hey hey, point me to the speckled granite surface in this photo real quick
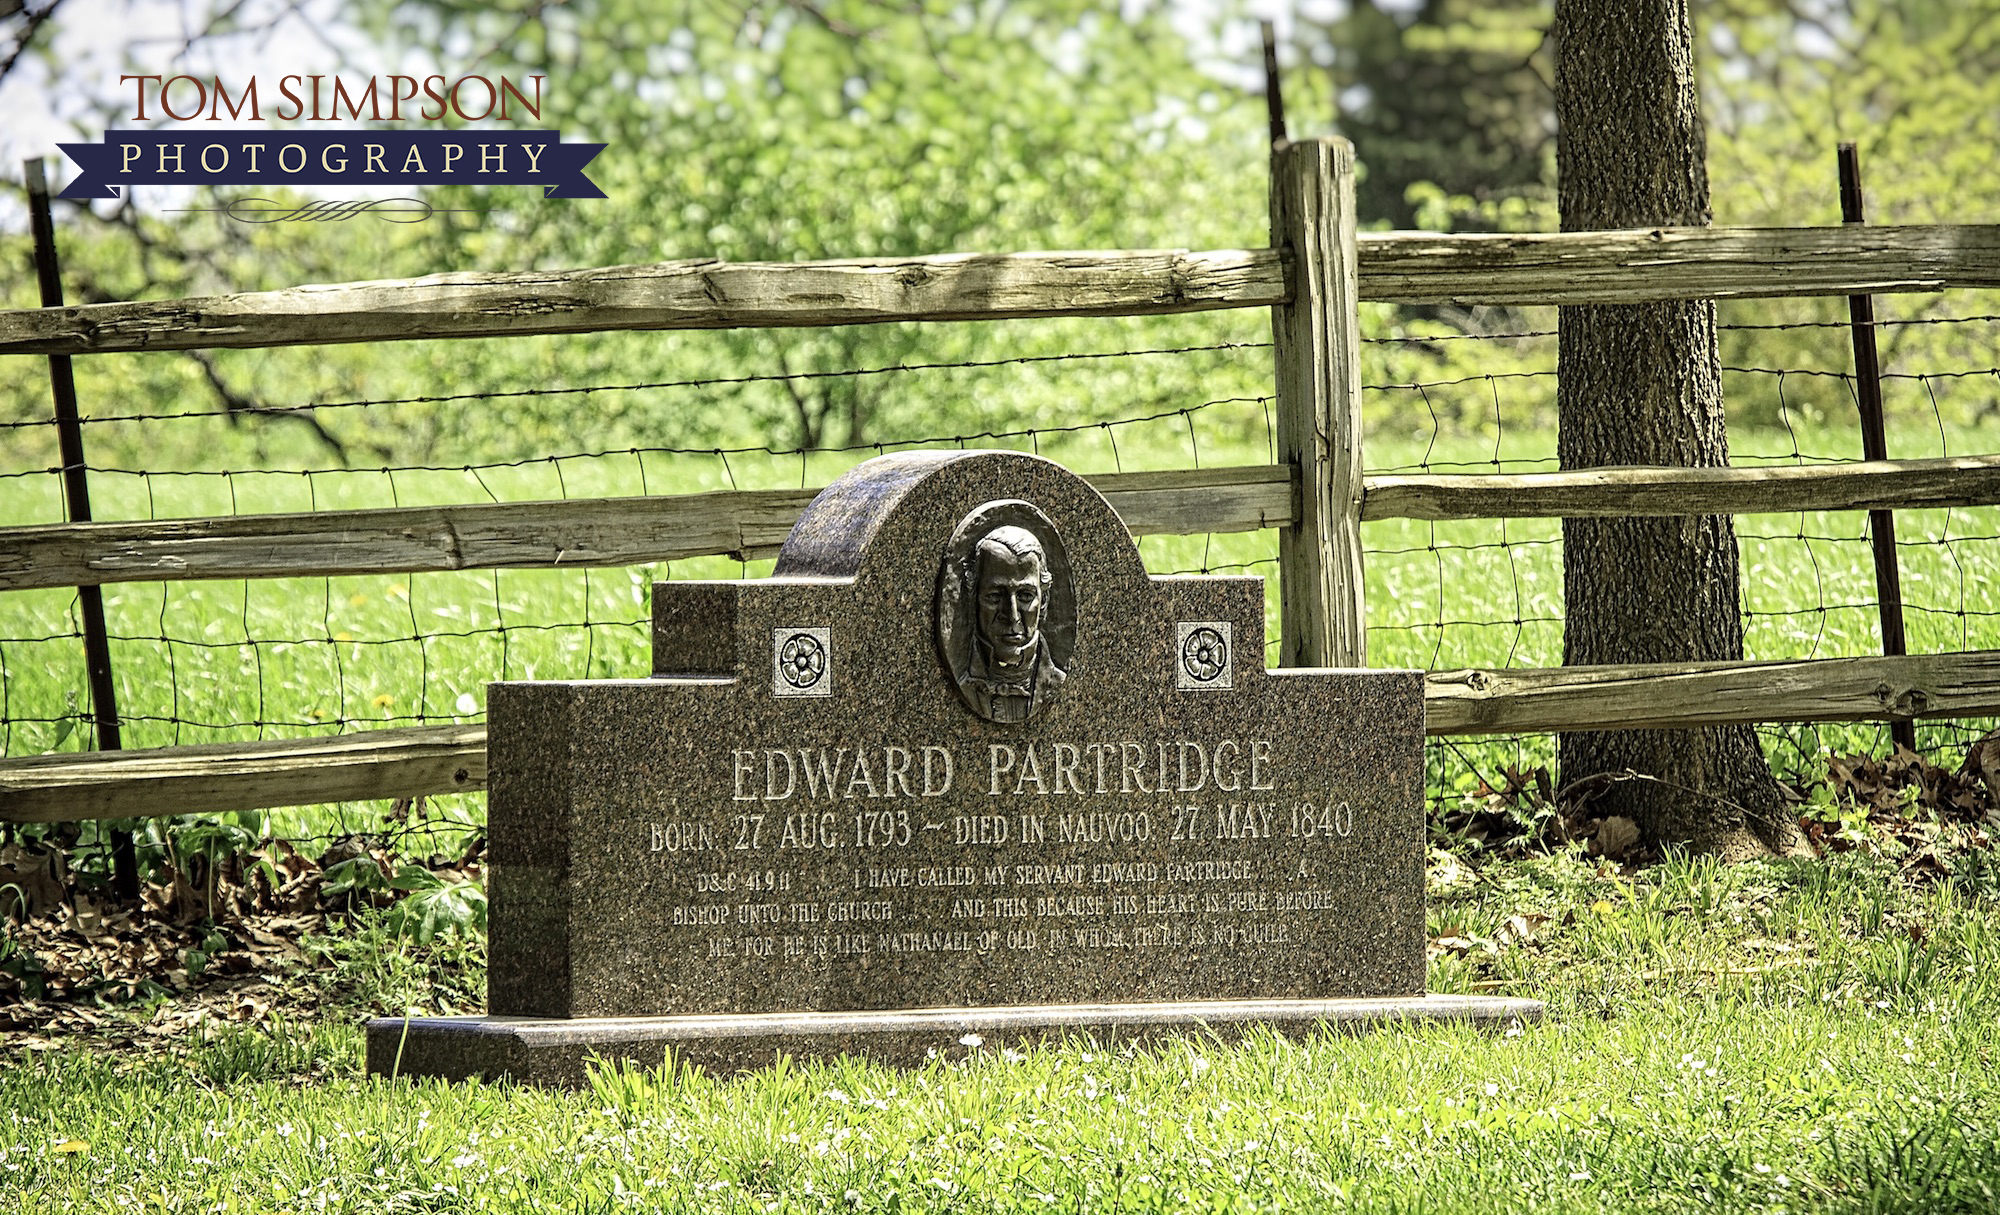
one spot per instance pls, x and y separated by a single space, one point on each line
860 786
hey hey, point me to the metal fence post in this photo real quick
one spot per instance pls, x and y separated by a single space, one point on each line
76 495
1318 345
1874 441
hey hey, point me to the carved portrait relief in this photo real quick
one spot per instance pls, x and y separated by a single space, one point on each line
1006 619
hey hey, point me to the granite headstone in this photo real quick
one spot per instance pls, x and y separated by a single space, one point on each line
959 771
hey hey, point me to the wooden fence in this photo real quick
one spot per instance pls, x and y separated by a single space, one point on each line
1315 495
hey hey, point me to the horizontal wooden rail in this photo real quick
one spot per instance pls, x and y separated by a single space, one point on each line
704 294
1395 267
1669 695
220 777
447 759
745 524
1611 492
752 524
1636 265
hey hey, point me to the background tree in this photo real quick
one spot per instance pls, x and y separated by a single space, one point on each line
1640 384
753 130
1449 108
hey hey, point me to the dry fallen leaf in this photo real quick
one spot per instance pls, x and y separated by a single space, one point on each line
1520 929
40 879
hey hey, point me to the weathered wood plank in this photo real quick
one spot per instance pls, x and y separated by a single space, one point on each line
1614 492
219 777
444 759
1670 695
521 535
704 294
1399 267
1188 502
1675 263
1317 350
752 524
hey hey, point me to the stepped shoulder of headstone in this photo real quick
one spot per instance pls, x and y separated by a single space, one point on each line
959 772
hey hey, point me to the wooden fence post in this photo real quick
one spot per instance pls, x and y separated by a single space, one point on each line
1318 347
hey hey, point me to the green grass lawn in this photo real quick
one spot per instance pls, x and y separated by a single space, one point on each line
1776 1036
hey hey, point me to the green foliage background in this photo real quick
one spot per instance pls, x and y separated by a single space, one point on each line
784 130
768 130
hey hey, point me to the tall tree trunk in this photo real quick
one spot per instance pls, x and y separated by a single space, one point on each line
1641 384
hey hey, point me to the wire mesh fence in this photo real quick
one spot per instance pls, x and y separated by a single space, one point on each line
208 661
1489 593
215 661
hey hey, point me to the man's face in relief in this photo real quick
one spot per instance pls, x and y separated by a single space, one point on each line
1010 602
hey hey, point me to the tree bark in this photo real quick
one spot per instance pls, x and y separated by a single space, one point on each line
1641 384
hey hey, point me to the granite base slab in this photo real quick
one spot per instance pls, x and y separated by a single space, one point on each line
556 1052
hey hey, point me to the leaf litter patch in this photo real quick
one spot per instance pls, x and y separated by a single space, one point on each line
1931 826
1926 817
257 936
236 932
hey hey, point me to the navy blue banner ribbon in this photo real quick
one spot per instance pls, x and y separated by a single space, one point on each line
332 158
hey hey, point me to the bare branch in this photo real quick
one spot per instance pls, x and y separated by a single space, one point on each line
236 405
31 24
808 433
832 24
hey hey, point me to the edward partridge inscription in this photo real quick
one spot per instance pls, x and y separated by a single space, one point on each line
960 765
1003 792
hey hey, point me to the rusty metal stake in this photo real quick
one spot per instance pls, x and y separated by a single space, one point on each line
76 494
1874 442
1274 97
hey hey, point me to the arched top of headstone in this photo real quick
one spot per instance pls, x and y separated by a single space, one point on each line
897 515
